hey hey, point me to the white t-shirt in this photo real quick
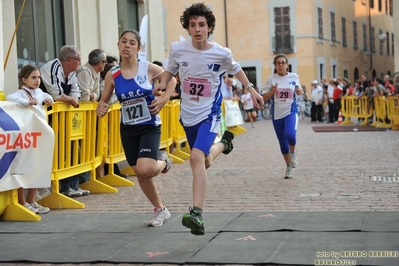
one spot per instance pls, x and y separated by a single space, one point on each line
284 100
201 74
246 100
23 96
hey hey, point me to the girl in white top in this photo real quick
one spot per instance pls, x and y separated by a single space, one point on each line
248 104
31 95
282 89
201 64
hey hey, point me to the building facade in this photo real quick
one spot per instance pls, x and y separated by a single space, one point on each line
328 38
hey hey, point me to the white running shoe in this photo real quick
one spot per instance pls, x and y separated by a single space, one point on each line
31 208
84 192
288 172
294 160
39 208
160 215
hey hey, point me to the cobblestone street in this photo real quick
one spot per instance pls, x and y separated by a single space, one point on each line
335 173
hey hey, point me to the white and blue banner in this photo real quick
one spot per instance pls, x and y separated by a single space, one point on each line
26 147
233 115
144 37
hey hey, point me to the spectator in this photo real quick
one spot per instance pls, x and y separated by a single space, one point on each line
316 97
331 108
347 88
326 103
30 94
229 90
58 78
88 76
389 87
112 60
337 94
248 105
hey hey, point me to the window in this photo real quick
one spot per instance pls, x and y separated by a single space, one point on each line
320 22
321 67
127 15
250 72
388 43
364 37
379 5
381 47
40 34
282 32
334 71
344 44
386 6
355 75
372 39
333 36
346 74
390 7
392 44
355 44
371 3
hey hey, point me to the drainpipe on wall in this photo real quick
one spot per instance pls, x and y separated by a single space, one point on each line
371 39
225 23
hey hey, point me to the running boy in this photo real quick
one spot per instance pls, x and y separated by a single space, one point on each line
201 64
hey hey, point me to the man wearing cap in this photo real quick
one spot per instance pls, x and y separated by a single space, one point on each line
316 98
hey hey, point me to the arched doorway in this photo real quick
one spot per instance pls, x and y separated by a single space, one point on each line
356 74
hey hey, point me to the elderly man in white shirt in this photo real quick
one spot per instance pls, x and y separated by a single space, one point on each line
316 98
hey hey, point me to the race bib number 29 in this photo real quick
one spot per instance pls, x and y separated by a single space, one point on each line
283 95
135 111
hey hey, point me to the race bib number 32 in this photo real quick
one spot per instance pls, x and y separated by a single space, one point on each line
197 87
135 111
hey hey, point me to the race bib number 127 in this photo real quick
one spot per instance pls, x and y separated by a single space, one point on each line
135 111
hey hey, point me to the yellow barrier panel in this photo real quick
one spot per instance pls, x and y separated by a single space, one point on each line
167 131
347 104
181 151
357 108
74 151
14 211
380 108
393 111
111 145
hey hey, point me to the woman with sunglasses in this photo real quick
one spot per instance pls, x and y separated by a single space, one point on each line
282 88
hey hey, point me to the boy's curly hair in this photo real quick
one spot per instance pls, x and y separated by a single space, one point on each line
198 10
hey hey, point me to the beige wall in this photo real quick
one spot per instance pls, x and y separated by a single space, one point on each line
8 26
250 28
91 24
248 32
396 30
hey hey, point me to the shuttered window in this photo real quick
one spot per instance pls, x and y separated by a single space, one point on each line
355 43
282 31
320 22
333 35
343 21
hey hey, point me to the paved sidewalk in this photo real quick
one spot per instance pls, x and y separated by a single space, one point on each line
334 173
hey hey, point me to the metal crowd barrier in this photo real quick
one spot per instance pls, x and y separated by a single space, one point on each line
83 141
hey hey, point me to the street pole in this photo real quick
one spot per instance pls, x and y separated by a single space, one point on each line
371 52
